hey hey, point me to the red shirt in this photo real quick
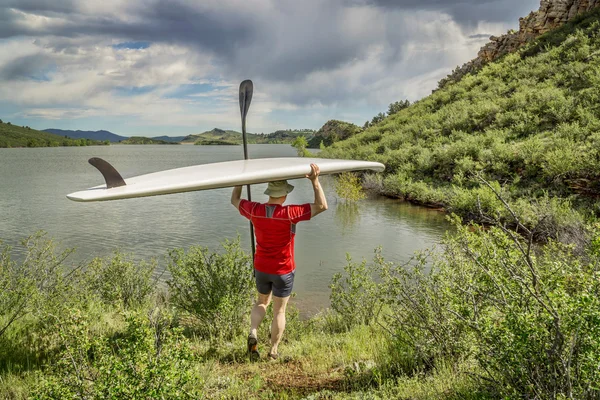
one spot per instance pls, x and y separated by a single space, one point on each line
274 228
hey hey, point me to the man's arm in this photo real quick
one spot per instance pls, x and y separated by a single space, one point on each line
236 196
320 203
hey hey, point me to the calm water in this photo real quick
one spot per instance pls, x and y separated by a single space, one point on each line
34 182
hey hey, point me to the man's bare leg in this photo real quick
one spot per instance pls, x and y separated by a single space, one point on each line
278 324
258 312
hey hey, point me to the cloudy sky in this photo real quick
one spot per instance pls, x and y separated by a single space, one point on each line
173 67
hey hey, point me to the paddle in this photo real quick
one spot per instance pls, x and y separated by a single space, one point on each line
246 89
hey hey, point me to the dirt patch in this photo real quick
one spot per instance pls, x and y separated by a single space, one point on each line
290 377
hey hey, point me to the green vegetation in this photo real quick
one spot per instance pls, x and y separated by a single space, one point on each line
214 289
23 136
300 144
285 136
333 131
490 315
348 187
529 123
144 140
222 137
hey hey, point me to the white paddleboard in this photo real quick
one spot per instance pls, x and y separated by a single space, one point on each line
217 175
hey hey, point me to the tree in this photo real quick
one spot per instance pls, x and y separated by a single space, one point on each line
378 118
397 106
300 144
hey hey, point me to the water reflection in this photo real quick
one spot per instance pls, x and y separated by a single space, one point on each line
347 215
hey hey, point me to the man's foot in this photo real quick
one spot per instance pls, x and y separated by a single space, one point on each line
253 348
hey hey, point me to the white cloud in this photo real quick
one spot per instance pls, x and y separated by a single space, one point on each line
314 58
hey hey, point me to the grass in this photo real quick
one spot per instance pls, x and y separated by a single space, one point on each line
314 364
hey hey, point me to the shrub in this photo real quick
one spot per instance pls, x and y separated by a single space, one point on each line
529 316
34 284
148 360
120 280
534 317
348 187
425 332
300 144
355 294
470 203
217 289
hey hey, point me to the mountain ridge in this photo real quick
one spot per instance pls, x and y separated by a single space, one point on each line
101 135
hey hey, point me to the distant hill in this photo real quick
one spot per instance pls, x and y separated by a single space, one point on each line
23 136
94 135
285 136
173 139
145 140
229 137
217 136
333 131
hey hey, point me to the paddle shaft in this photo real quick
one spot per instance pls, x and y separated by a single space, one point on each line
246 89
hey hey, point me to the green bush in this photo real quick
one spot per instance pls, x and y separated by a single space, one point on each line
216 289
348 187
120 280
149 360
355 296
425 333
534 317
528 315
33 285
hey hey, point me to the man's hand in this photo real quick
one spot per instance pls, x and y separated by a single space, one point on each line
314 172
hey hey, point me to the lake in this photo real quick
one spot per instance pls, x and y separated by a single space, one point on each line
34 183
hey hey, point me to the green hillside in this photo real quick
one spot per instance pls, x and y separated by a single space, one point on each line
144 140
227 137
286 136
333 131
23 136
529 124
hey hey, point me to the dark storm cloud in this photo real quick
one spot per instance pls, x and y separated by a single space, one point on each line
40 7
161 20
246 43
281 42
32 67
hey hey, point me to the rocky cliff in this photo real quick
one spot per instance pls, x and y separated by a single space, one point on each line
551 15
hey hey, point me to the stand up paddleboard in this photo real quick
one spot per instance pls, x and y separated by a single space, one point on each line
211 176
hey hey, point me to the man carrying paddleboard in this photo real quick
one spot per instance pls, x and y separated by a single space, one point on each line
274 266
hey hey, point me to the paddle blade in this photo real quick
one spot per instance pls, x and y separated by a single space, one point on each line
246 89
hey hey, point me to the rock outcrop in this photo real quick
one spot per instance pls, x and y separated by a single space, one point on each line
551 15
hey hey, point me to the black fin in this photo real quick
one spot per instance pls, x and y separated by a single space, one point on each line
111 176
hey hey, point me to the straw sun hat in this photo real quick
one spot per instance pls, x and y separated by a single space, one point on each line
278 189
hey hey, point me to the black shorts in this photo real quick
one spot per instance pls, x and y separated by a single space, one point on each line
281 285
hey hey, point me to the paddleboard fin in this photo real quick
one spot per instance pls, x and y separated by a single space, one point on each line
111 175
